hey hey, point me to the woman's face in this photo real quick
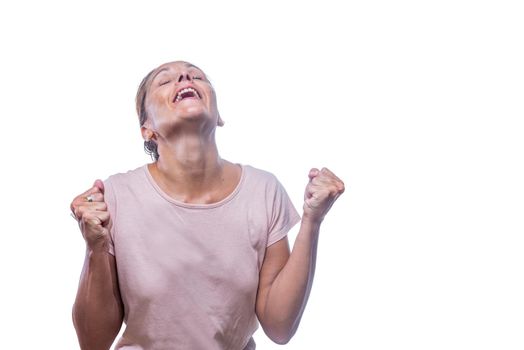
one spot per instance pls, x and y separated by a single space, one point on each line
180 97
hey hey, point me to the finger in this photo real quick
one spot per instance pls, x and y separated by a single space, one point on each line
325 172
328 177
309 190
93 189
331 187
104 216
97 206
95 218
90 221
100 185
318 197
333 175
317 191
84 197
322 180
313 173
94 197
93 206
81 210
73 216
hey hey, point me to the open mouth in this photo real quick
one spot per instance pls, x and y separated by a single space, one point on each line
187 92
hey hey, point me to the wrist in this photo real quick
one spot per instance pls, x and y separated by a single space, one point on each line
311 220
100 246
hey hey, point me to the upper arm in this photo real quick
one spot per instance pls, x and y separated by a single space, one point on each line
275 258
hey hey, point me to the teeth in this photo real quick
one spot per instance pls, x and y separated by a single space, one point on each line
183 91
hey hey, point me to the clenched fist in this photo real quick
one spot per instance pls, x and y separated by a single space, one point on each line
92 215
322 191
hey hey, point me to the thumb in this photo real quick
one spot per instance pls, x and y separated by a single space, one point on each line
313 173
99 184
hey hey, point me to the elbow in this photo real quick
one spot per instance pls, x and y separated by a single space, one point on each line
280 335
281 341
281 338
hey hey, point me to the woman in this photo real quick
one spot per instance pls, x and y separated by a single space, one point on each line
191 249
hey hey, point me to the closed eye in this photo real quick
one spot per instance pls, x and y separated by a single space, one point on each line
165 82
199 78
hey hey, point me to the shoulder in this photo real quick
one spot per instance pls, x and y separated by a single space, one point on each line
127 176
259 175
125 186
259 181
129 181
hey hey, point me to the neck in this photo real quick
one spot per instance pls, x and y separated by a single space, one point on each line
189 164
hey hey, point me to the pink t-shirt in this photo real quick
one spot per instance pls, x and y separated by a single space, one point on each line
188 273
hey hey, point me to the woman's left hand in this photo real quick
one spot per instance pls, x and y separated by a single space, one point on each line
322 191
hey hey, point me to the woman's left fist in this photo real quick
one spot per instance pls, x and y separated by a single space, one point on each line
322 191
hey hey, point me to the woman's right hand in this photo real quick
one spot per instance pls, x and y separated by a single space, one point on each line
92 215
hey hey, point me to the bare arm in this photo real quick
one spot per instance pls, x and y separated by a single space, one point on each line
98 310
285 279
285 283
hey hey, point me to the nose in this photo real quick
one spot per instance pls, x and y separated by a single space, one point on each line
183 76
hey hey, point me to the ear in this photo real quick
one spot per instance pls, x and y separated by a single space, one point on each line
147 134
220 122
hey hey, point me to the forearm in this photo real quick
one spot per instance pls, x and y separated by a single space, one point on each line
98 311
290 290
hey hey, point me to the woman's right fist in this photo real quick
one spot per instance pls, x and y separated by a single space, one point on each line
90 211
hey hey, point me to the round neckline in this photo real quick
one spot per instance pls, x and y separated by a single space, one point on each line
170 199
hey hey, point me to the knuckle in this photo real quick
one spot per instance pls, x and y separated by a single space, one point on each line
79 212
91 222
75 202
89 216
325 192
86 217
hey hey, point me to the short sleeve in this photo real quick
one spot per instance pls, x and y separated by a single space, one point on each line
283 214
110 200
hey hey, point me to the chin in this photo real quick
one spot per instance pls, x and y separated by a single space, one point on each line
193 116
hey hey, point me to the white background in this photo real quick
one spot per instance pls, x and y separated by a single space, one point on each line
416 105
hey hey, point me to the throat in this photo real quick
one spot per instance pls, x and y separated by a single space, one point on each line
199 188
